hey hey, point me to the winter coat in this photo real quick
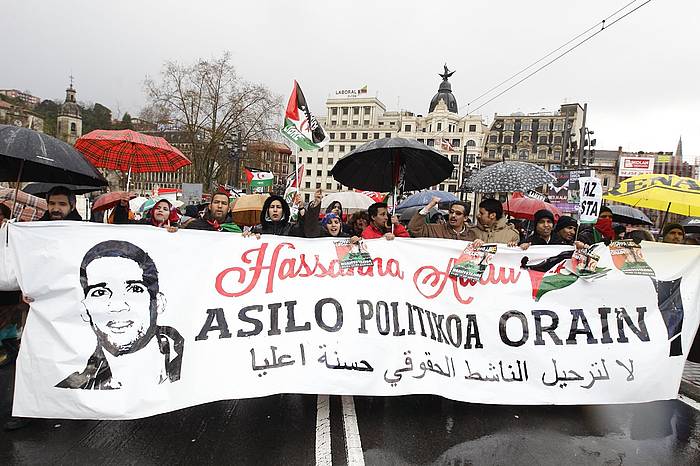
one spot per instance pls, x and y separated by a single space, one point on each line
421 229
312 227
500 232
372 232
536 240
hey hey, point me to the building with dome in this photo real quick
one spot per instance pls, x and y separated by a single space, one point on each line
69 122
353 118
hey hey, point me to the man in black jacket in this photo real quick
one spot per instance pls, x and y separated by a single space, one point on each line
215 215
61 205
544 226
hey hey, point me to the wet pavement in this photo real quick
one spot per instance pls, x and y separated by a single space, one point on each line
404 430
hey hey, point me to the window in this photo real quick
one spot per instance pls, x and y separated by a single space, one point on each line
308 172
542 154
319 160
557 139
352 147
525 139
307 185
407 128
542 140
442 187
509 126
507 139
334 111
319 172
367 110
331 148
430 142
525 126
366 122
557 155
558 126
356 110
454 158
455 143
342 135
345 110
387 135
318 185
320 149
353 135
454 174
73 128
492 153
422 141
342 148
330 161
355 122
376 135
381 123
506 153
524 154
472 128
307 195
328 186
364 135
493 138
544 125
308 159
337 186
452 188
332 135
471 143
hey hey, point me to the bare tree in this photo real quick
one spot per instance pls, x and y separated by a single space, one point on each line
215 108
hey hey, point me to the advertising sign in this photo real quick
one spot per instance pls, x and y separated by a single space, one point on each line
637 165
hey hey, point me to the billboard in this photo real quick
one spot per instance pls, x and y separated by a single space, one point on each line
564 192
635 165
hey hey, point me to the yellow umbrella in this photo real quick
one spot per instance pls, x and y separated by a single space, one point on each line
668 193
246 209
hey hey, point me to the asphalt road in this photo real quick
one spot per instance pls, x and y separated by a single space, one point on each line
305 429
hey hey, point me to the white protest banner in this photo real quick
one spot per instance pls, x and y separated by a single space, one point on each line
131 321
591 198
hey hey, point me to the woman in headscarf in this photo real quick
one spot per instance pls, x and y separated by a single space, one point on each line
161 215
274 219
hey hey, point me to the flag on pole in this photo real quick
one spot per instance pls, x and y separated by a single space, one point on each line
445 145
294 178
300 126
259 179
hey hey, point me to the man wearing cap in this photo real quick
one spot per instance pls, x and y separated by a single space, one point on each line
544 226
673 233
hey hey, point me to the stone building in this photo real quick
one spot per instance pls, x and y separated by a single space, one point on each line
69 122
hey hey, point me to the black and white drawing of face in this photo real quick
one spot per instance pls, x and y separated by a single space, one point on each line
120 307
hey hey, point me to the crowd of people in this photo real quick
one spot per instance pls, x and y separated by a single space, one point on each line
491 226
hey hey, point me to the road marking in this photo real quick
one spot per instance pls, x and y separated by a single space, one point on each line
323 431
353 445
689 401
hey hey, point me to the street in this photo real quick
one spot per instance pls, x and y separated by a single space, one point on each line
297 429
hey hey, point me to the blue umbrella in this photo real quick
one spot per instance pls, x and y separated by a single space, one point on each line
423 198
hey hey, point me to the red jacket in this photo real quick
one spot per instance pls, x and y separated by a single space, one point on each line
372 232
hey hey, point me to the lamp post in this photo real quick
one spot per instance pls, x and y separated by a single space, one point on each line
236 151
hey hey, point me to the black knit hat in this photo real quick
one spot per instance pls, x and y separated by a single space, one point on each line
672 226
543 213
565 221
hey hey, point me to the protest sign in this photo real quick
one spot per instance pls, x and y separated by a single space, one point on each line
123 327
591 199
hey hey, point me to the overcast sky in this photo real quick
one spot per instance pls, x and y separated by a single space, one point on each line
640 77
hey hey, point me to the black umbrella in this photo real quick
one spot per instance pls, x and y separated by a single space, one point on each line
40 189
629 215
27 155
376 166
691 224
509 177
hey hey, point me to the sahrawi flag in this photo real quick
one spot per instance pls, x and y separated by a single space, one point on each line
259 179
300 126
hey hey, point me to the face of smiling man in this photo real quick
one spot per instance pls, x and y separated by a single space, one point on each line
122 312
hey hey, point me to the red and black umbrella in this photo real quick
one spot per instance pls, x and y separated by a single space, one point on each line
129 151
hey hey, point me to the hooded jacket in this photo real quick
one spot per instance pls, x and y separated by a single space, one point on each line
500 232
280 228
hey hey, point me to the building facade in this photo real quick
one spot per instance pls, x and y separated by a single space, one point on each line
354 121
69 122
273 157
549 139
18 116
24 97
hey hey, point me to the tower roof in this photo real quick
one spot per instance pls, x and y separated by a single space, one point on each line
445 93
70 106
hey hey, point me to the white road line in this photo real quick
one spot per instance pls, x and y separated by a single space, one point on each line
323 431
689 401
353 446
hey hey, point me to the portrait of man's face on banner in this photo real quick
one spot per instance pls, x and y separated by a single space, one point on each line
122 301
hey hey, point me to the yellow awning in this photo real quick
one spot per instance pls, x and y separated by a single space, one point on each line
660 192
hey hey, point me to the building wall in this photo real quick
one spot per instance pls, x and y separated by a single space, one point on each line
352 122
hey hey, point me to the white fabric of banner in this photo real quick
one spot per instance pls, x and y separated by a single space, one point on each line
132 321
